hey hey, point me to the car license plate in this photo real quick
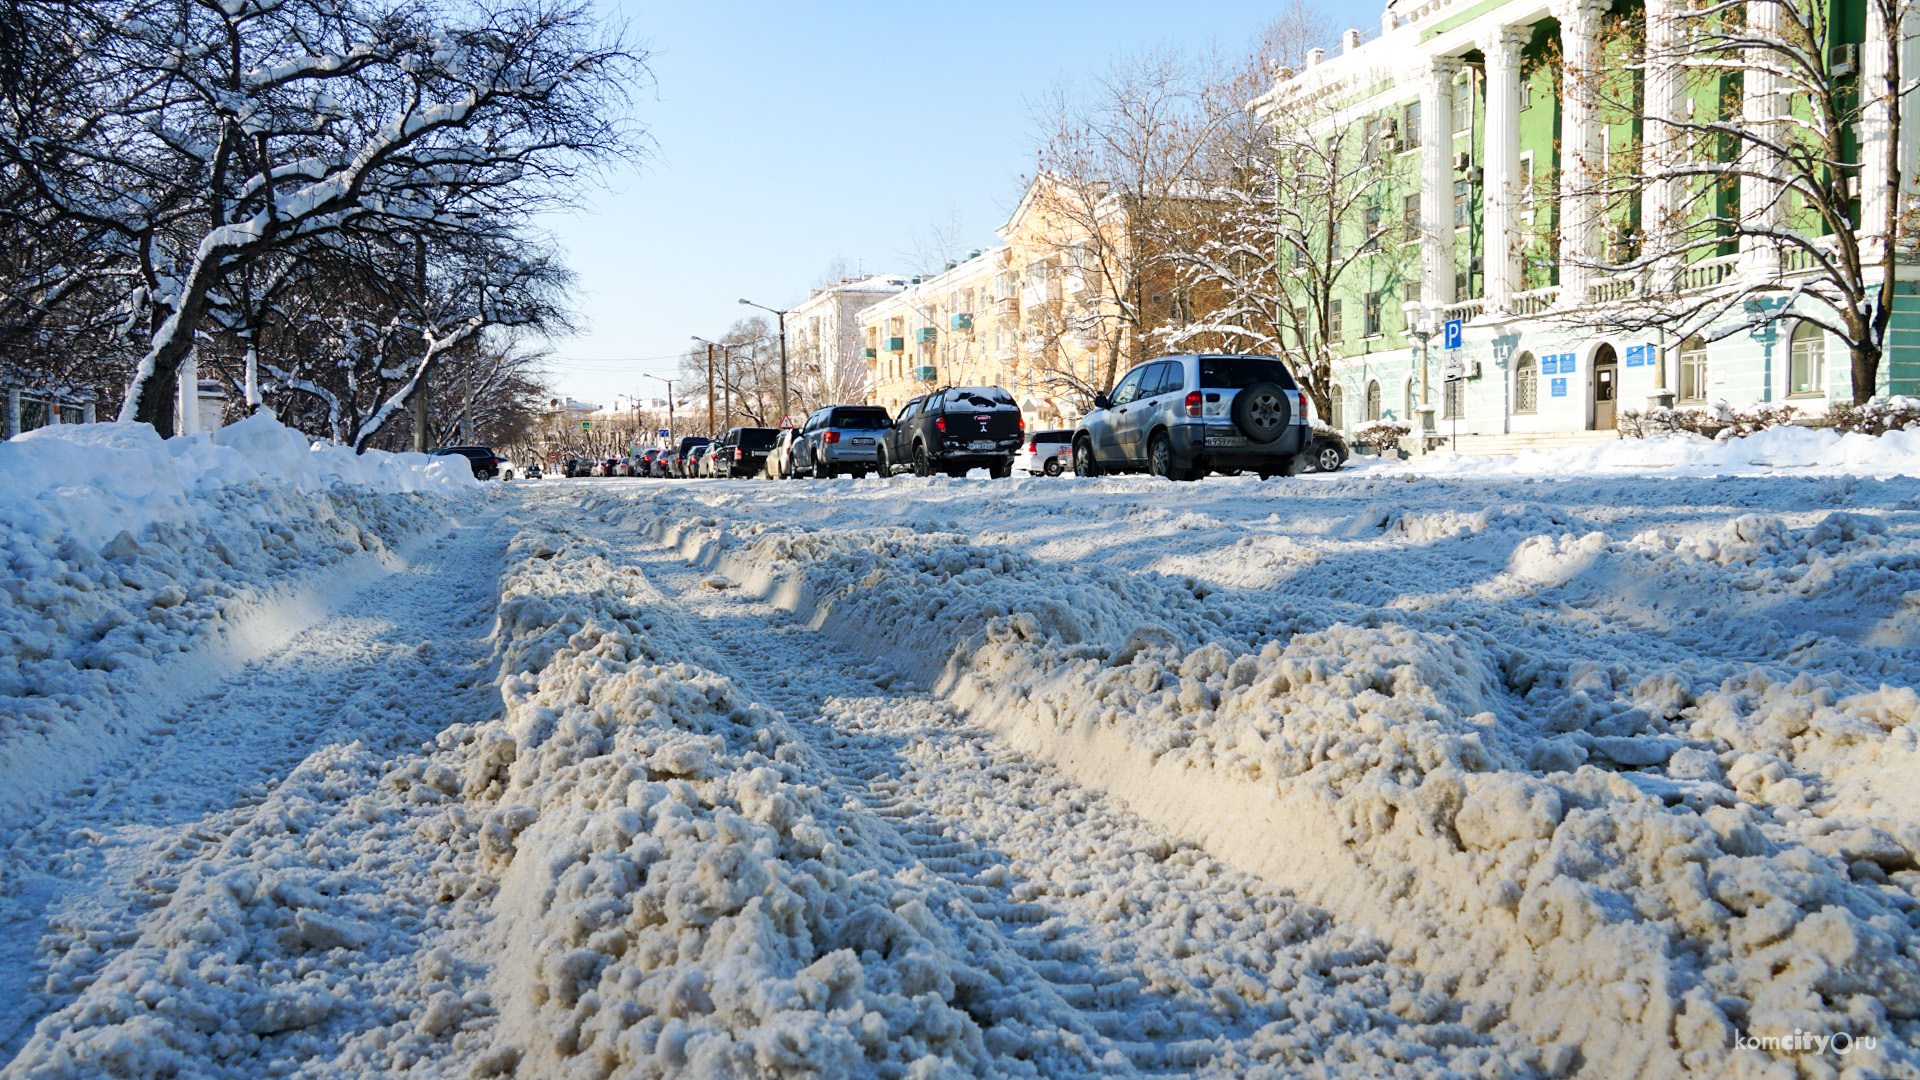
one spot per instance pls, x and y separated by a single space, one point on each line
982 444
1226 440
863 442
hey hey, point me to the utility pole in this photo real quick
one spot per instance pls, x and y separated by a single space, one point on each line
781 316
709 389
420 391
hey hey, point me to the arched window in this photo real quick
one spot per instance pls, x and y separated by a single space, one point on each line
1373 400
1407 415
1693 370
1526 384
1808 373
1337 420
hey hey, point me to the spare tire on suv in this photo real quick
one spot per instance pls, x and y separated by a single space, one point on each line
1262 412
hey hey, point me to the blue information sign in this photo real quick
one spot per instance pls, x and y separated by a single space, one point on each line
1557 388
1453 335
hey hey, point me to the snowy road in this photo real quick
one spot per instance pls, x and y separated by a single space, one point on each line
1357 776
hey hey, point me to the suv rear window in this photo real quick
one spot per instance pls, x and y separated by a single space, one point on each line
1240 372
863 419
1051 436
757 438
991 398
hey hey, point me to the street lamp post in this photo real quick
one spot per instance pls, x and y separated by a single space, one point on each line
781 317
726 375
1422 325
669 383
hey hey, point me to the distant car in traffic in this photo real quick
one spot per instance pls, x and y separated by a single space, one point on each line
780 457
485 464
686 460
1047 452
743 451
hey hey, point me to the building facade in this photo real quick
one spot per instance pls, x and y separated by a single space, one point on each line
824 339
1483 153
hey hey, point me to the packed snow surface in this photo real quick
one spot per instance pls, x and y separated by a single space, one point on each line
1567 767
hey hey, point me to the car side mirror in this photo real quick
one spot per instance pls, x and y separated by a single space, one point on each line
1102 401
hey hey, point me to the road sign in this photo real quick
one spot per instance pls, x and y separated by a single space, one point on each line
586 425
665 434
1454 369
1452 334
786 421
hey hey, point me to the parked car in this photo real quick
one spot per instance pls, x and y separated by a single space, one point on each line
1326 451
1046 452
485 465
685 460
742 451
780 457
535 472
578 467
953 430
644 461
1184 416
840 439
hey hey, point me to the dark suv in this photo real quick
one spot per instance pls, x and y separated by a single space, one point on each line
485 465
1184 416
683 458
953 430
743 451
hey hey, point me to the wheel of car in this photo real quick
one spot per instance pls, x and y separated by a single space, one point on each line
880 463
1262 412
921 466
1328 459
1000 470
1160 457
1084 463
823 470
1053 466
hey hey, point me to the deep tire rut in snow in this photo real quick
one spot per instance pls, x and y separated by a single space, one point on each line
383 673
1165 960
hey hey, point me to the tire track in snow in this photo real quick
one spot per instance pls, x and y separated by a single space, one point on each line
76 884
1175 963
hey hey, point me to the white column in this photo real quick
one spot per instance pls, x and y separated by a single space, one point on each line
186 409
1502 166
1876 129
1665 105
1761 201
1579 145
1436 196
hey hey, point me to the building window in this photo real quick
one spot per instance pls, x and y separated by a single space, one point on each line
1808 373
1373 400
1526 179
1410 125
1526 384
1693 370
1370 134
1463 104
1333 243
1372 315
1370 220
1338 419
1462 203
1526 92
1406 396
1334 330
1410 213
1456 399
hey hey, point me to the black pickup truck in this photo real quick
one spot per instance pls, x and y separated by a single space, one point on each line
953 430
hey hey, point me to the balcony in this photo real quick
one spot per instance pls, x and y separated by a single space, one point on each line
869 353
896 344
1707 273
960 321
1612 290
924 373
1534 301
924 336
1465 311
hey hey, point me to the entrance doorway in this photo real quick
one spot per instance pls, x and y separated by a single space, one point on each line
1606 370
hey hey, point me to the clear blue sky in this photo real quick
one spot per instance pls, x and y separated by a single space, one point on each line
788 133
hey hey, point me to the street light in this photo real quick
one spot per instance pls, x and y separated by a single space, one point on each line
669 383
782 317
726 373
1423 322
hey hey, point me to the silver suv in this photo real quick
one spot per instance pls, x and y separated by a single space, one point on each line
1182 417
840 439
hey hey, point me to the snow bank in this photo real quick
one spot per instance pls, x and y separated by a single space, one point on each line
1632 864
123 552
1808 451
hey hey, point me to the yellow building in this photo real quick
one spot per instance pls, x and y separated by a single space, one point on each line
951 329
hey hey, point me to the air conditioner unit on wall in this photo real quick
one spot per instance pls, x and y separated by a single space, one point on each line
1846 60
1462 161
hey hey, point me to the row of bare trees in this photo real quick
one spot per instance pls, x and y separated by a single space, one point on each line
333 197
1191 221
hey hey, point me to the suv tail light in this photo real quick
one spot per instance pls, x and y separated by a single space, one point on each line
1023 423
1033 448
736 453
1193 403
940 423
830 437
